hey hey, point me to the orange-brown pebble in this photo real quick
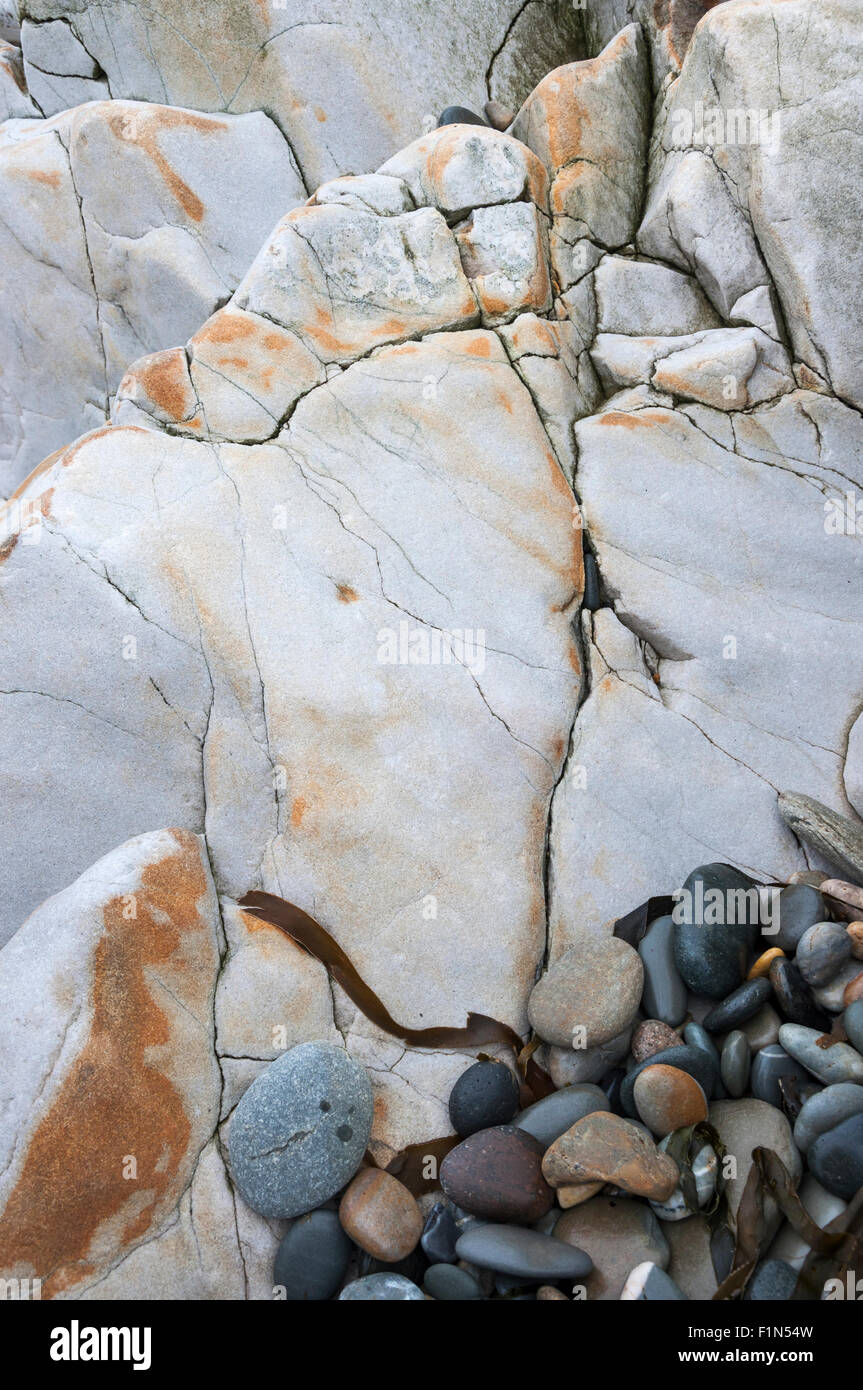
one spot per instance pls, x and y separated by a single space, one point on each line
761 969
853 990
667 1098
855 931
379 1213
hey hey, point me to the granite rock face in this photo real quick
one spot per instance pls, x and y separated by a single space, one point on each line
309 587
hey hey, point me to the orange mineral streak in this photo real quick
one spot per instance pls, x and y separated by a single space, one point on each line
114 1101
298 808
50 177
164 378
346 594
142 129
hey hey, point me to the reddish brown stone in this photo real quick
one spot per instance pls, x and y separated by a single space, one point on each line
379 1213
652 1036
497 1173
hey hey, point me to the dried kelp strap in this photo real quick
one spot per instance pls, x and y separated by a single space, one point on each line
303 929
418 1165
818 1267
684 1147
769 1176
633 926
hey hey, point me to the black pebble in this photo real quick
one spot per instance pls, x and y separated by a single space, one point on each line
794 998
742 1004
800 907
591 600
440 1234
312 1258
459 115
484 1096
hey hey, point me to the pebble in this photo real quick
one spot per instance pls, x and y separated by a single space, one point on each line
686 1058
380 1287
712 957
705 1167
312 1257
300 1131
825 1111
448 1283
746 1124
768 1066
459 115
617 1233
852 1021
800 907
761 969
794 998
773 1281
523 1254
594 987
840 1062
667 1099
855 931
763 1029
696 1035
547 1293
440 1234
850 895
484 1095
853 990
652 1036
821 952
500 117
743 1003
664 995
836 1158
649 1282
836 995
497 1174
550 1117
381 1215
734 1063
691 1265
605 1148
838 838
568 1067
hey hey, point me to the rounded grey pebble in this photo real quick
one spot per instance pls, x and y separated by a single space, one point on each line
773 1281
390 1287
523 1253
852 1021
836 1158
664 991
832 995
300 1131
821 952
312 1257
825 1111
768 1067
800 907
829 1064
449 1283
552 1116
734 1063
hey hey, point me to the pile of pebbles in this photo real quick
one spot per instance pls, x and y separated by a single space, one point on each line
753 1026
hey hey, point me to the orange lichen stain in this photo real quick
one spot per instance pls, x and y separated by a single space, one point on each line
142 130
241 363
113 1101
504 401
298 810
164 380
635 421
8 546
320 114
346 594
52 177
225 328
479 347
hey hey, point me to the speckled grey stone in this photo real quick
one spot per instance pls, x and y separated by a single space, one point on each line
734 1063
825 1111
382 1287
664 991
768 1066
300 1131
552 1116
829 1064
821 952
773 1281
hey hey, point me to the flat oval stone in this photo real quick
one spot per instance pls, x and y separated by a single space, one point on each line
689 1059
800 907
836 1158
312 1257
497 1174
483 1096
590 994
381 1215
522 1254
741 1004
300 1131
716 924
449 1283
773 1281
734 1063
550 1117
617 1233
794 999
667 1099
821 952
840 1062
664 996
768 1067
652 1036
605 1148
380 1288
459 115
825 1111
852 1022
